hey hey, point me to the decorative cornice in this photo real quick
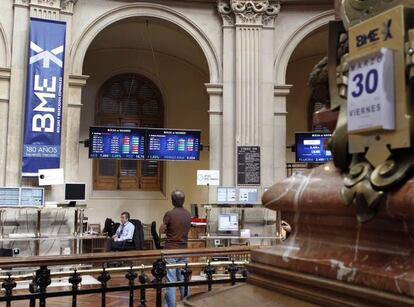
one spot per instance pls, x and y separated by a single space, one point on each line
78 80
21 3
248 12
5 73
46 3
214 88
49 9
215 112
281 90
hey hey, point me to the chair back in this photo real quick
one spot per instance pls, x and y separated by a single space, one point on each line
155 236
138 236
110 227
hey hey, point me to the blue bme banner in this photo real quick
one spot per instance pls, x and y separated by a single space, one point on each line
44 94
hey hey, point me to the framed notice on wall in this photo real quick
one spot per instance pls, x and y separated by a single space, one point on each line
248 165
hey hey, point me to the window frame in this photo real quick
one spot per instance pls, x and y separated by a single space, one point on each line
117 182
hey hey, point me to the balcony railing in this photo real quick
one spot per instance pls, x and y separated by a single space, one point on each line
40 273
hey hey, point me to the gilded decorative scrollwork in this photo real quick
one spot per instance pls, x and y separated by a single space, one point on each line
378 167
359 191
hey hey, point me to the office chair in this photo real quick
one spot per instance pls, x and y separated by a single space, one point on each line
155 236
137 242
110 227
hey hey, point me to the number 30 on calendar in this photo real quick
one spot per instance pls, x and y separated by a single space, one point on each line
371 97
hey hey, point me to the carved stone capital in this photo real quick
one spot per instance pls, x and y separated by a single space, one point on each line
224 8
67 5
251 12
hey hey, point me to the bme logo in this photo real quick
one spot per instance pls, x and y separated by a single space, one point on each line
46 56
373 35
45 89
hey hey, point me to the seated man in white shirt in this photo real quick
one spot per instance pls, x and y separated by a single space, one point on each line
124 233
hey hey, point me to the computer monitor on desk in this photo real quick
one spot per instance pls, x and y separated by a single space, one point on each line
74 192
32 197
228 222
226 195
248 195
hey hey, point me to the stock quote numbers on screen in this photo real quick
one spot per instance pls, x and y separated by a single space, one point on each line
312 147
143 143
173 144
116 143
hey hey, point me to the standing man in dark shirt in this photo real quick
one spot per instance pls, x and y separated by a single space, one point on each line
176 225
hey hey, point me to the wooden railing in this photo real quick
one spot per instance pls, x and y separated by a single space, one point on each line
40 274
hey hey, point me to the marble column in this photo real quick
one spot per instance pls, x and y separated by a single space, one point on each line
4 111
247 44
71 104
17 93
228 166
270 138
72 126
215 111
279 128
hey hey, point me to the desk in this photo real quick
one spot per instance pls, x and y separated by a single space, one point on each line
94 243
76 246
77 226
241 208
78 217
228 239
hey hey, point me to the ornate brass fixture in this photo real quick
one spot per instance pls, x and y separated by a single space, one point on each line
374 158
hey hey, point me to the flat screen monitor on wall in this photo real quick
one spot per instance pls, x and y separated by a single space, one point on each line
116 143
228 222
311 147
171 144
75 192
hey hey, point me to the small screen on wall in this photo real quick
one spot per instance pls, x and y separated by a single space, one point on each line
116 143
169 144
311 147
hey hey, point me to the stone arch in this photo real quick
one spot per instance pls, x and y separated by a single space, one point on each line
282 61
5 55
81 45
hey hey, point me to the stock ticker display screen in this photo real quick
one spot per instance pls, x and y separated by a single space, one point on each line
312 147
116 143
169 144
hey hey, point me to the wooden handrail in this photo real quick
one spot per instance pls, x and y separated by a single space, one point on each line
124 269
9 262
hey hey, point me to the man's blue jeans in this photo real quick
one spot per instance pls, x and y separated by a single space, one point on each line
173 275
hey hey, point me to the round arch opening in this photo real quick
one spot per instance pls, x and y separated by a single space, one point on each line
300 107
175 63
